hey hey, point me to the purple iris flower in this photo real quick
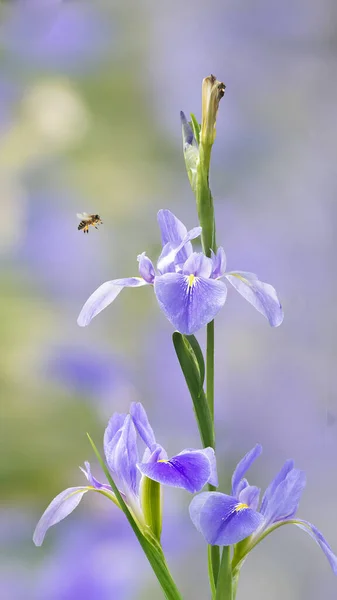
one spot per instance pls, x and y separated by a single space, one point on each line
190 469
188 284
224 520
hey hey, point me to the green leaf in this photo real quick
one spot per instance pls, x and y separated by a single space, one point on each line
196 127
198 355
152 549
194 372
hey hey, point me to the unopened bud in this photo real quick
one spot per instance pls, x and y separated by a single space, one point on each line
212 92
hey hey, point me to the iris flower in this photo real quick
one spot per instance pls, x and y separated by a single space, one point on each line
190 470
224 520
187 284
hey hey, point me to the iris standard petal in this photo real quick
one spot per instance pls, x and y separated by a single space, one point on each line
218 263
188 303
243 466
173 255
103 296
320 540
173 231
189 470
283 504
282 474
146 268
198 264
142 424
223 520
122 456
116 422
58 509
261 295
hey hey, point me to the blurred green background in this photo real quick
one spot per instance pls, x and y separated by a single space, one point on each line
90 94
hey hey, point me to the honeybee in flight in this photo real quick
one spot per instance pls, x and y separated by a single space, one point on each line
87 220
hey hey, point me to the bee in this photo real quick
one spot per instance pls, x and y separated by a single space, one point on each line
87 220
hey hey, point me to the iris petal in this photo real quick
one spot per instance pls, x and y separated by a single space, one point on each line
122 456
103 296
189 307
142 424
172 254
283 504
221 520
146 268
268 495
261 295
198 264
250 495
321 541
58 509
218 262
243 466
173 231
189 470
116 422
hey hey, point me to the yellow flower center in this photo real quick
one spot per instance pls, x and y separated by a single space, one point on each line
190 280
241 506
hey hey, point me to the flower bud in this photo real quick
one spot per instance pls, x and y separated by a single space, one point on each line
212 92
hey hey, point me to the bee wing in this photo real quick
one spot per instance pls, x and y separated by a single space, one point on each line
82 216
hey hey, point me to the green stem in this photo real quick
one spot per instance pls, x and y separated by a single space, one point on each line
224 590
210 368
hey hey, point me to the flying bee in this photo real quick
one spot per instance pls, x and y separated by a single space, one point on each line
87 220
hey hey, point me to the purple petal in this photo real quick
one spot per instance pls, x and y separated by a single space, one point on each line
103 296
189 470
243 466
188 136
115 424
198 264
219 263
142 424
173 255
173 231
261 295
189 305
92 480
58 509
321 541
222 520
250 495
146 268
213 478
267 496
122 456
283 504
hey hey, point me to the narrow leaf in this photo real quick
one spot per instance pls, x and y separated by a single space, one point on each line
190 367
196 127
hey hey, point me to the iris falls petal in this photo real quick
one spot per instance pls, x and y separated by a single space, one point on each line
261 295
189 470
103 296
320 540
222 519
58 509
189 302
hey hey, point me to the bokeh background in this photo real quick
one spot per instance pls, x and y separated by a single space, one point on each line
90 94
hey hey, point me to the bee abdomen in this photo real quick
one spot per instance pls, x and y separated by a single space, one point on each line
82 225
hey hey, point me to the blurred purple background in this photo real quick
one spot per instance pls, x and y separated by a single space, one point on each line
90 94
